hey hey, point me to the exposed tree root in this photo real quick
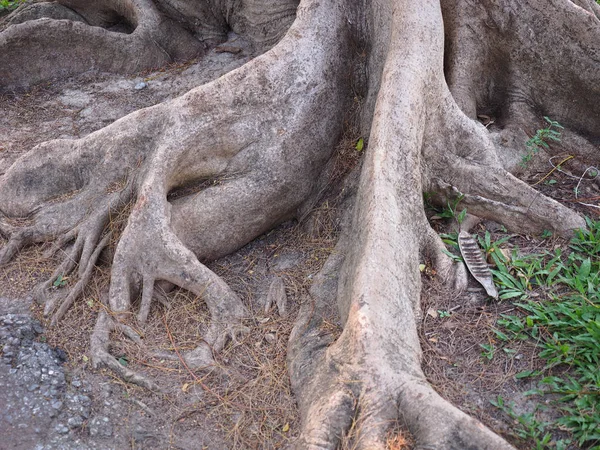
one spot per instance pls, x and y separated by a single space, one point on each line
100 341
267 173
265 131
146 40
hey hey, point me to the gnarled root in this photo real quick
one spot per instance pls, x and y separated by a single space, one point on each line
99 349
465 164
373 378
145 40
268 161
150 251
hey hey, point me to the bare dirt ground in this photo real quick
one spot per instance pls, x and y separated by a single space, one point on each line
245 402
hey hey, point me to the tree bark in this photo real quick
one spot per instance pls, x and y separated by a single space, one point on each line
426 69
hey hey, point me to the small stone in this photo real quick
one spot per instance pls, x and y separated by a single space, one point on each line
141 85
61 428
76 383
277 296
99 426
57 404
270 338
75 422
33 387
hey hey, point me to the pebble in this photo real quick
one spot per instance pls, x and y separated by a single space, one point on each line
141 85
60 428
75 422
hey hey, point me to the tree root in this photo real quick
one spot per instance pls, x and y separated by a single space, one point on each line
77 47
265 131
76 290
99 343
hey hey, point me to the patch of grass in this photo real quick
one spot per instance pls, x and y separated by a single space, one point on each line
541 139
9 5
450 211
558 295
529 428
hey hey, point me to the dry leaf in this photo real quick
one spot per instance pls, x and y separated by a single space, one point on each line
432 313
476 263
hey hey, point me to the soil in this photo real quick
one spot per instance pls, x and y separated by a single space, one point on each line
245 402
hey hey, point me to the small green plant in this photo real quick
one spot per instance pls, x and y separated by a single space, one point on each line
451 210
528 427
9 5
360 144
60 282
587 242
541 139
451 240
490 248
443 314
488 351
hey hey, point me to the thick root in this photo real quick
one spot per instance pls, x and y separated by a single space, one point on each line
99 344
150 251
466 165
150 41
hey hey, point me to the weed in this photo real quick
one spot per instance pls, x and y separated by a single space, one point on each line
564 323
60 281
451 210
541 139
443 314
488 351
490 247
528 427
9 5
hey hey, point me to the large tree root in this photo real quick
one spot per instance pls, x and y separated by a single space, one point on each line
373 369
37 50
516 88
47 40
213 131
265 131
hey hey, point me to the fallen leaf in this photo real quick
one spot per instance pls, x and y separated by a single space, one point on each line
360 144
286 428
432 313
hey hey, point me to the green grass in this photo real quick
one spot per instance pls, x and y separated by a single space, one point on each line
541 139
564 322
9 5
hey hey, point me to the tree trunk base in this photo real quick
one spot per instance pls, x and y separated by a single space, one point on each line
255 143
